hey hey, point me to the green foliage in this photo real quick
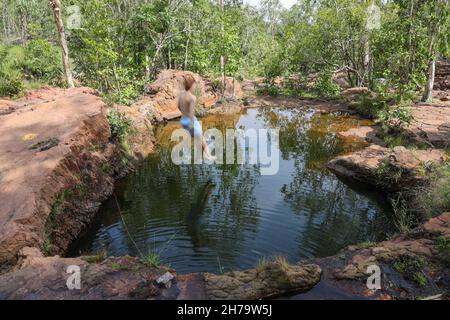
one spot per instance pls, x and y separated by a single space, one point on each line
272 91
58 204
391 111
326 87
122 44
116 265
106 168
151 259
370 106
98 257
262 264
11 59
434 198
388 174
120 125
42 61
395 118
127 94
282 262
367 244
38 61
11 83
443 245
412 268
404 218
46 247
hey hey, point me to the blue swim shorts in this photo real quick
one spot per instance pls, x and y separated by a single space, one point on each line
195 129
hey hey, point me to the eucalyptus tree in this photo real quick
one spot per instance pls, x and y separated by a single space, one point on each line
56 8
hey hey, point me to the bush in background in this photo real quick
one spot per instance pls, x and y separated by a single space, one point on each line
39 61
326 87
42 62
11 75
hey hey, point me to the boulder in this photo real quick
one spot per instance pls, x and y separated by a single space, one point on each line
374 164
270 280
431 124
164 92
232 87
352 94
141 139
46 278
340 78
38 277
50 143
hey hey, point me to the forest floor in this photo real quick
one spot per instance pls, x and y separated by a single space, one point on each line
59 161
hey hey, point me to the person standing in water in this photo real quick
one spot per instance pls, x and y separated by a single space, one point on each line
186 103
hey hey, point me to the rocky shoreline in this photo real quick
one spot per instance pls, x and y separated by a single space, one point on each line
55 174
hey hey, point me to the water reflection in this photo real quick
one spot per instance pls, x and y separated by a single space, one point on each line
206 218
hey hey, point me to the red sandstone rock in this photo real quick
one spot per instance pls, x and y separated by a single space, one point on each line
431 123
363 165
165 90
439 226
66 122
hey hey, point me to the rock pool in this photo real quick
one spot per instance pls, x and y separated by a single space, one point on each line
218 218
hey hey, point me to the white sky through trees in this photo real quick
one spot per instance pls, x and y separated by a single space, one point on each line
286 3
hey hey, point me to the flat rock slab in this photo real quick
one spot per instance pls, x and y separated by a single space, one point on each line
38 277
323 106
344 275
368 133
432 123
40 142
363 166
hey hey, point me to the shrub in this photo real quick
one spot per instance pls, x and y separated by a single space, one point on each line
395 118
403 218
11 83
11 58
326 87
42 61
412 268
369 106
151 259
272 91
293 87
126 96
217 85
120 128
434 198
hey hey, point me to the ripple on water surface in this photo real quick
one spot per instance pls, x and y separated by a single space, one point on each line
223 217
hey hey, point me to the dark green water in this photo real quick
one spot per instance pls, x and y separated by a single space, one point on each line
223 217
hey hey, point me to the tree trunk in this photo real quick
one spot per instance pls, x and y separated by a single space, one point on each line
366 62
428 93
23 28
155 57
147 67
186 53
56 8
434 33
222 58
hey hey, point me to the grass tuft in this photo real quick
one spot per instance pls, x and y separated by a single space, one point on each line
151 259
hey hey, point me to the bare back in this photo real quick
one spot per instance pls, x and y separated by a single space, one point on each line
186 104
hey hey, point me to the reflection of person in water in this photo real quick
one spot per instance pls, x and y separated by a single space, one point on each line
193 217
186 104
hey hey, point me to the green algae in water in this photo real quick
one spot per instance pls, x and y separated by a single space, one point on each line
193 216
